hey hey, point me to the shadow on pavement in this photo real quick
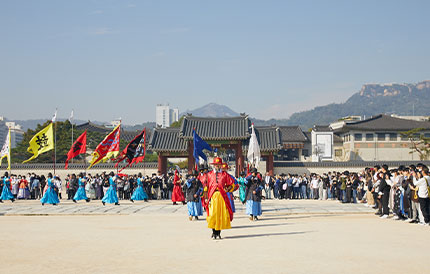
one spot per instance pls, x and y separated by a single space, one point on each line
265 235
257 225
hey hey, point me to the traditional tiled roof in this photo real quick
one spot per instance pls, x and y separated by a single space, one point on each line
125 135
231 128
292 134
167 140
269 139
384 122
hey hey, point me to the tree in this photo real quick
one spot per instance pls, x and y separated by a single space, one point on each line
419 143
64 142
178 123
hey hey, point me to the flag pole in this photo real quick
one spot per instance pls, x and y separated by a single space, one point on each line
72 135
55 144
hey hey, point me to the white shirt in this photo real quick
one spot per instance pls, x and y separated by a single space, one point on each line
422 186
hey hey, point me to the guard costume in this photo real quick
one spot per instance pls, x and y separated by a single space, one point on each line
81 193
220 212
111 195
6 194
193 190
253 195
139 193
50 196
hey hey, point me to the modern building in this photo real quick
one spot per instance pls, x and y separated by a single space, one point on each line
16 132
380 138
165 116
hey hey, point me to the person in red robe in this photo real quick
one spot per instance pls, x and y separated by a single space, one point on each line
220 213
177 194
203 178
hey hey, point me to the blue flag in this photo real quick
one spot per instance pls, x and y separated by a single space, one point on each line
199 145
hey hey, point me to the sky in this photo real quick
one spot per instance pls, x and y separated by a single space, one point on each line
118 59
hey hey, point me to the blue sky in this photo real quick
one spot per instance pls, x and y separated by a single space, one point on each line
111 59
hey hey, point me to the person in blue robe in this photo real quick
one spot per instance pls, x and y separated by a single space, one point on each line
253 195
6 194
111 196
50 196
193 190
139 193
81 194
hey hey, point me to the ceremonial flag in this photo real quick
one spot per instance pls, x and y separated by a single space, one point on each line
54 118
5 151
78 147
42 142
71 117
199 145
254 149
108 148
129 151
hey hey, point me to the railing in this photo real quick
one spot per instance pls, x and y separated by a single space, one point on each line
391 164
79 166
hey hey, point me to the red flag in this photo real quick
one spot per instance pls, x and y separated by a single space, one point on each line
78 147
131 150
108 148
140 151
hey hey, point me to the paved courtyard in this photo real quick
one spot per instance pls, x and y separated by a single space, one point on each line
157 237
67 207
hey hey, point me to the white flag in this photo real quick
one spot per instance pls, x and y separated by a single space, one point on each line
54 118
71 116
254 149
5 151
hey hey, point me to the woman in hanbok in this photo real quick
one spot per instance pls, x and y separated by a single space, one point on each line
6 194
90 188
15 185
81 194
111 195
242 187
139 193
50 196
23 192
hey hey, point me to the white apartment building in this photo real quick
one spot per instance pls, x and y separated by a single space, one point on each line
165 116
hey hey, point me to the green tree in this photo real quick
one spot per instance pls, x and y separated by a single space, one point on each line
178 123
63 144
419 143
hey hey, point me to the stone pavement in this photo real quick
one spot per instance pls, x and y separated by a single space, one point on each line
95 207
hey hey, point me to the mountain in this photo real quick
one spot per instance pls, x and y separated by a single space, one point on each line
372 99
212 110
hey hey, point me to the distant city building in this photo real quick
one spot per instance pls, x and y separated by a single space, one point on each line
16 132
165 116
